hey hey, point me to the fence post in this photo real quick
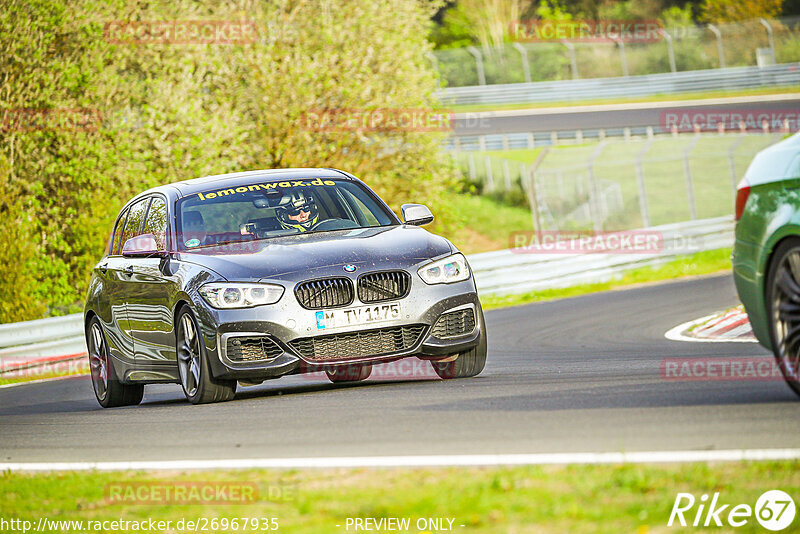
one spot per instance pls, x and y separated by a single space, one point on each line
472 174
593 208
688 173
432 57
573 59
478 64
732 162
622 57
670 50
720 49
533 199
526 68
770 36
640 179
489 175
507 175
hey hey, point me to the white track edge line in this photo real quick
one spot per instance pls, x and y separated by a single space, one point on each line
465 460
675 334
593 108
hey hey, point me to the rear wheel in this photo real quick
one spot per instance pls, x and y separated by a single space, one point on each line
783 310
110 392
349 373
198 384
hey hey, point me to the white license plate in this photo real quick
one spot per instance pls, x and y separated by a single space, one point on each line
327 319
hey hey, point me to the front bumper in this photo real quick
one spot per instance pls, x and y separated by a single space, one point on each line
287 322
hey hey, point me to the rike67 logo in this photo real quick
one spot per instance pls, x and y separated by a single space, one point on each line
774 510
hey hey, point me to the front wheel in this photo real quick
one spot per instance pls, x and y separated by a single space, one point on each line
198 384
110 392
783 310
466 364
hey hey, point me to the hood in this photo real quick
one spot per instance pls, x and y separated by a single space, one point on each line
303 256
775 163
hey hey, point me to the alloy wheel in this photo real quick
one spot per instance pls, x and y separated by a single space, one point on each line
189 355
98 361
786 314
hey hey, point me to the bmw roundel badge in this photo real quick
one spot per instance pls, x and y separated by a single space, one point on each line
349 268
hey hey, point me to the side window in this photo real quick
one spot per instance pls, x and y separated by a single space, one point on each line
133 226
156 222
116 247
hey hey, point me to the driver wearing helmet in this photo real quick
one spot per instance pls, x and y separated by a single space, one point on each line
297 211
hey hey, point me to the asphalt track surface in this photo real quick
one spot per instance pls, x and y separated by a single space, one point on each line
576 375
570 119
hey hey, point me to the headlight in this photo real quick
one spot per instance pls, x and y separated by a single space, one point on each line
445 271
241 295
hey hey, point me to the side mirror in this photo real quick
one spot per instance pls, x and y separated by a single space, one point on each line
142 246
416 214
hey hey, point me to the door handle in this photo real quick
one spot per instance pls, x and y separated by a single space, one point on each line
103 268
128 270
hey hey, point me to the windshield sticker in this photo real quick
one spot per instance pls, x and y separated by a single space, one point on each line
193 243
263 187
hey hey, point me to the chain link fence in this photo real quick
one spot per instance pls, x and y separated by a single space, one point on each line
758 42
622 183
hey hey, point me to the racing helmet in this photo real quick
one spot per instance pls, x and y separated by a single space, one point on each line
293 204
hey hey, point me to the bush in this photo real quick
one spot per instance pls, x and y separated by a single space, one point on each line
174 112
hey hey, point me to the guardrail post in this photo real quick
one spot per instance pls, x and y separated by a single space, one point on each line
767 25
732 161
505 142
531 141
720 48
640 179
554 138
478 64
482 143
670 50
526 68
573 59
489 175
688 173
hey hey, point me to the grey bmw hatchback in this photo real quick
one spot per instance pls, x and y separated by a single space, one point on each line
239 278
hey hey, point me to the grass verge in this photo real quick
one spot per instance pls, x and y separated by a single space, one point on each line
74 367
655 98
708 262
571 498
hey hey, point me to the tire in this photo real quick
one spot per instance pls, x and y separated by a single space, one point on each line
349 373
109 391
469 363
198 384
783 310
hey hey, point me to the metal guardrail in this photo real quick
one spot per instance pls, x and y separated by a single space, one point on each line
508 271
496 273
738 78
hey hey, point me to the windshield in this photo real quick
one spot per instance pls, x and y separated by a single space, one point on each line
262 210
